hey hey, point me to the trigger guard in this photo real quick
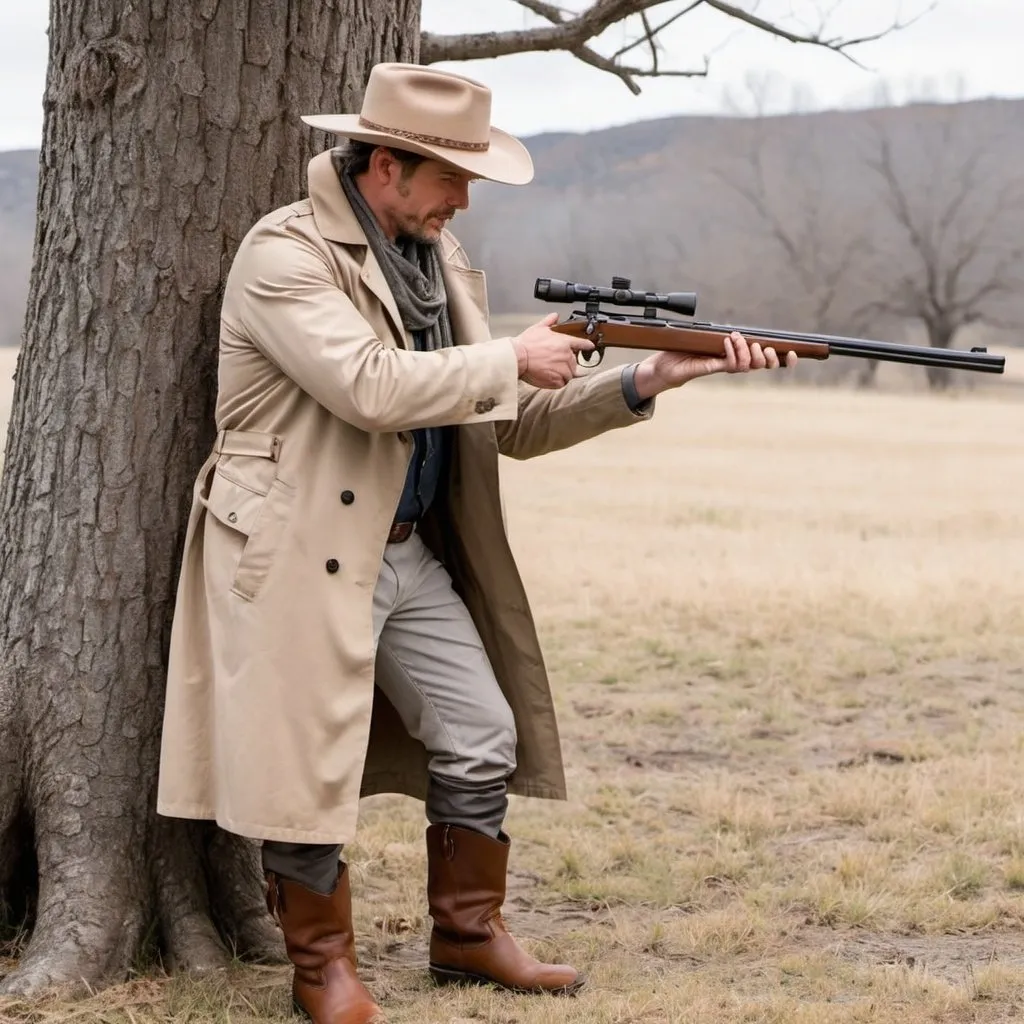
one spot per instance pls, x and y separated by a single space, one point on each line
590 359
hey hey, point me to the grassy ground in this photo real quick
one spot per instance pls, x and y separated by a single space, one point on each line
785 630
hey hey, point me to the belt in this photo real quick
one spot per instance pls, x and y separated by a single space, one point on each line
400 532
248 442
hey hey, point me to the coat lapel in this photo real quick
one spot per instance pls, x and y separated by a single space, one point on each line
373 277
474 479
337 223
467 303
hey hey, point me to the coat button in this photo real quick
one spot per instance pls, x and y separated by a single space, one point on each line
332 565
232 517
485 406
347 497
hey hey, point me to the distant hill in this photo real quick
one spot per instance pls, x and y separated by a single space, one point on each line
711 204
662 202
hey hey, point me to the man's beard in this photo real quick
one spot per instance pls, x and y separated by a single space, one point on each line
418 231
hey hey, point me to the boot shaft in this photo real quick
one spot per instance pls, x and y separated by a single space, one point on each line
466 873
317 927
318 936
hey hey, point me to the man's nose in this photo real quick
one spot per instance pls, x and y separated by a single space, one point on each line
459 197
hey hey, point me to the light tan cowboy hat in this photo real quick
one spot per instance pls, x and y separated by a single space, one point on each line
436 113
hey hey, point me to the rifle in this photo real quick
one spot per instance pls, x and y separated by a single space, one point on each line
695 337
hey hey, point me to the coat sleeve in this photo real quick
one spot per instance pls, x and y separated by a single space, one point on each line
550 420
287 302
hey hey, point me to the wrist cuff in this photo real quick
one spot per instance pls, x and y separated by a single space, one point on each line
629 392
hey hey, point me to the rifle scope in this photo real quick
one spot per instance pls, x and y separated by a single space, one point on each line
550 289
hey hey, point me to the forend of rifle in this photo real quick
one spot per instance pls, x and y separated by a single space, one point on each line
550 289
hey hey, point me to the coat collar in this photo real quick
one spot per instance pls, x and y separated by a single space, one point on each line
334 217
337 222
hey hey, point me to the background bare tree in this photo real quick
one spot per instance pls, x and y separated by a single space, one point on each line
806 229
953 252
169 129
791 202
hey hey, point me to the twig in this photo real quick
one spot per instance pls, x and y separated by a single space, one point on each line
573 32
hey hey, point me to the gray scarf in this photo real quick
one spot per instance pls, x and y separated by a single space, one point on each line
412 271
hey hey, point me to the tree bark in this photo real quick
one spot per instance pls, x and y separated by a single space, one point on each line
169 129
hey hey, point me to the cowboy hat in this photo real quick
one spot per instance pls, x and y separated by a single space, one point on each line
437 114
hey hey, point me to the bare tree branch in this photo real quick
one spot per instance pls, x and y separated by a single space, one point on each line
650 34
563 20
817 38
967 186
924 248
1007 278
574 32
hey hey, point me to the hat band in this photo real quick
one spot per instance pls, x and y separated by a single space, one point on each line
430 140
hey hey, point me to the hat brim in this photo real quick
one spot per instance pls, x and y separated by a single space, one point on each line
506 159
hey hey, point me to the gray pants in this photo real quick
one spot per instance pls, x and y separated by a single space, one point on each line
433 668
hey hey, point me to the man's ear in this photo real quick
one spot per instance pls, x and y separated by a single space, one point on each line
383 165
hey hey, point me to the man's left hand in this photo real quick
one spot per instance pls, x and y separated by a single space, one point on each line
664 370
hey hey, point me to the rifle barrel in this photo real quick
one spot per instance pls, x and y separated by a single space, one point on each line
885 351
953 359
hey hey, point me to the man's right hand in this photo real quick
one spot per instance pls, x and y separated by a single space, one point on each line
548 359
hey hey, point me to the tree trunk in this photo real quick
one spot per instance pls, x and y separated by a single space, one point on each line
169 128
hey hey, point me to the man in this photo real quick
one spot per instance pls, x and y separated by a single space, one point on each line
350 619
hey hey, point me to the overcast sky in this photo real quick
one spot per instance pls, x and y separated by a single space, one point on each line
962 48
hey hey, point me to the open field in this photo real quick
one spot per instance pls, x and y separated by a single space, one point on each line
786 634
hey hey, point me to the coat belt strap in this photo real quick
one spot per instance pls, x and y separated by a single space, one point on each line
248 442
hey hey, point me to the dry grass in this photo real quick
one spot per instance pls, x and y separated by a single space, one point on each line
785 630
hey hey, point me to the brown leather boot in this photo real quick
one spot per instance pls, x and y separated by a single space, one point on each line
466 873
318 936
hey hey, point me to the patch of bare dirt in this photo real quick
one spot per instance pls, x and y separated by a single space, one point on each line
891 713
937 700
949 957
675 760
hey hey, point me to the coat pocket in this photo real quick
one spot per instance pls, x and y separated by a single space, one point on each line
259 517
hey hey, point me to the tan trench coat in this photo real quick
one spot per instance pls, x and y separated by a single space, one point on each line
273 726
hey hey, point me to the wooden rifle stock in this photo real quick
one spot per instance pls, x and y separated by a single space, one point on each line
695 340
